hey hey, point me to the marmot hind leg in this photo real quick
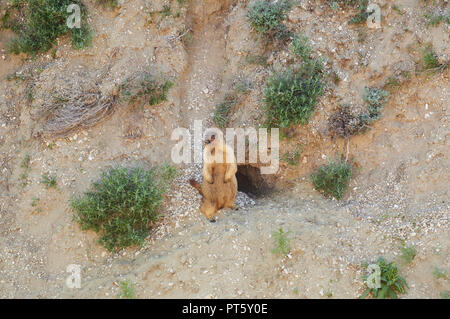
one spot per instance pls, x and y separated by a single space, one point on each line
208 209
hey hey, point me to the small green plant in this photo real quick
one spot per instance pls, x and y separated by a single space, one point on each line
375 99
439 273
34 201
127 290
445 294
290 97
430 60
332 179
282 242
435 19
146 90
301 46
397 9
166 11
223 109
344 123
123 204
109 3
362 14
360 5
26 162
391 82
408 254
266 18
38 23
256 59
391 283
292 157
49 181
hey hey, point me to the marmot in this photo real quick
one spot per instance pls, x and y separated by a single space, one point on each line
219 185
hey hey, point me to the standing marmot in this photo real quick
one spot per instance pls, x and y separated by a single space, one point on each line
219 186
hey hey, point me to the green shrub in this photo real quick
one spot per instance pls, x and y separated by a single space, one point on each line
281 242
49 181
290 97
301 46
375 99
391 283
266 18
123 204
145 89
332 179
38 23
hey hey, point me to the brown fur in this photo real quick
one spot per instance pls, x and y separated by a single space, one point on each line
219 186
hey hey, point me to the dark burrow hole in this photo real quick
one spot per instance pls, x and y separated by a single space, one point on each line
251 182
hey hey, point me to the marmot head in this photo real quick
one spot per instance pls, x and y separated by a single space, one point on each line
213 136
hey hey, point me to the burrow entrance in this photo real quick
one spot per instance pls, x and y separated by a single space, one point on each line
251 182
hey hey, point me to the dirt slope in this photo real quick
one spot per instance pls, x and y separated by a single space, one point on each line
399 191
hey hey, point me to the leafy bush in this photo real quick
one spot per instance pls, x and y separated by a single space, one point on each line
38 23
145 89
281 242
301 46
266 18
123 204
290 97
332 179
390 281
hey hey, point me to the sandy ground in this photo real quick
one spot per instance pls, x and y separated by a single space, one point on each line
399 192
